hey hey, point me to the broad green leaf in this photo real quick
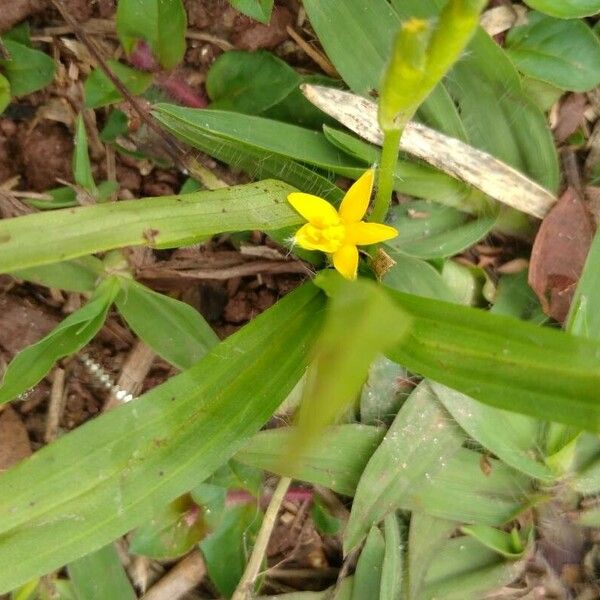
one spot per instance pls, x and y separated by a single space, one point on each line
401 465
565 53
77 275
415 276
514 298
367 577
514 438
108 476
585 466
4 93
506 544
257 9
384 392
256 162
584 315
460 491
428 230
284 139
487 89
566 9
335 460
82 169
161 23
392 570
99 90
501 361
542 94
173 329
100 575
30 365
465 282
426 536
249 82
227 549
173 530
464 569
28 70
162 222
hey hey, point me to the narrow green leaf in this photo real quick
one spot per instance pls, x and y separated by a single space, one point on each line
173 530
100 575
566 9
325 522
464 569
109 475
426 536
161 223
284 139
501 361
99 90
27 70
257 9
392 570
563 53
173 329
344 592
82 169
356 330
401 465
335 460
31 364
514 438
62 197
77 275
256 162
499 541
249 82
584 315
161 23
367 577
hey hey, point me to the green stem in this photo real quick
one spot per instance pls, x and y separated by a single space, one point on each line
385 179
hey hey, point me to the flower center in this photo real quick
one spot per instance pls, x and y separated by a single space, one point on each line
328 238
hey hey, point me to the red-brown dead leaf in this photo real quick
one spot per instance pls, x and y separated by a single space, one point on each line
559 252
570 116
14 441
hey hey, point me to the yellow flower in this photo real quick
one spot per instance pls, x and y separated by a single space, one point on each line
339 232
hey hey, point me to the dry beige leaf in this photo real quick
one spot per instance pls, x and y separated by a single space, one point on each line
500 18
481 170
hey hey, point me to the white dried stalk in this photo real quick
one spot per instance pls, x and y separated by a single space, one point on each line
477 168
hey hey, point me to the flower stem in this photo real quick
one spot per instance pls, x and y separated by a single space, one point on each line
385 180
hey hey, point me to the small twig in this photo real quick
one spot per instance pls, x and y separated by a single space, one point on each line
56 405
132 375
246 584
180 580
313 53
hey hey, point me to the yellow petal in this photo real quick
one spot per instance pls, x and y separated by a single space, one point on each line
345 260
314 209
328 240
356 201
363 234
